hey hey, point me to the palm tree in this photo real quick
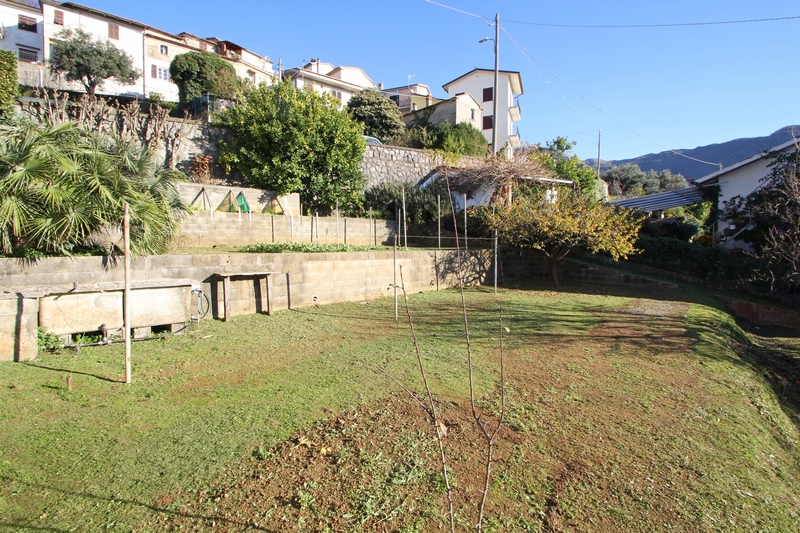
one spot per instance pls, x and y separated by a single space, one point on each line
59 184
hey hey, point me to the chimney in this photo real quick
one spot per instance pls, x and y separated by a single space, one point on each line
380 86
413 106
428 100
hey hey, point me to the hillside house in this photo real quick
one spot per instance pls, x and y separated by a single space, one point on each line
479 83
740 179
21 30
340 82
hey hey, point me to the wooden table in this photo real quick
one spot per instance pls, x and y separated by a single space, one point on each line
226 288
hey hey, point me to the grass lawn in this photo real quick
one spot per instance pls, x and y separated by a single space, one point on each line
632 410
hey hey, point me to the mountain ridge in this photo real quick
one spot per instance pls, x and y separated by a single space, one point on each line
726 153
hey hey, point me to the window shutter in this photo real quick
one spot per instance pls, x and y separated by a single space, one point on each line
487 94
153 71
113 31
487 122
58 18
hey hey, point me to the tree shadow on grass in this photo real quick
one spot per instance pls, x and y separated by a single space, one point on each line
201 519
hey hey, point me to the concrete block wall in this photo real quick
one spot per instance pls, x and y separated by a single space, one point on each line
210 229
299 280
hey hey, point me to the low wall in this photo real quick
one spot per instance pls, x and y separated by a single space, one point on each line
217 228
300 280
763 314
220 197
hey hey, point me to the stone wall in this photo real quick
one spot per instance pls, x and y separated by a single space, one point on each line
385 163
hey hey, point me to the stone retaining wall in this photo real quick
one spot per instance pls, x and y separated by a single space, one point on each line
385 163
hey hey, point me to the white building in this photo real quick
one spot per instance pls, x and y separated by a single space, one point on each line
151 49
21 29
340 82
126 34
740 179
479 83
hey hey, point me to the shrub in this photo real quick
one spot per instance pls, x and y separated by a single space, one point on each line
9 87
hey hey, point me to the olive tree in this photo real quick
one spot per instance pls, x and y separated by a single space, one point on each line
90 61
380 116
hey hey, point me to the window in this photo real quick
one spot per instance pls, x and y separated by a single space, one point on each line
27 24
488 94
31 56
337 95
203 47
488 122
163 50
113 31
472 114
58 18
160 73
251 76
396 99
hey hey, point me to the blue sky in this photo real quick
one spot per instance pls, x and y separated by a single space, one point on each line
647 88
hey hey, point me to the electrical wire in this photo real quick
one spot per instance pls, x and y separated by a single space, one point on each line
672 25
526 53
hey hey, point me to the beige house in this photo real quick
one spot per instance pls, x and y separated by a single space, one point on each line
340 82
410 98
460 108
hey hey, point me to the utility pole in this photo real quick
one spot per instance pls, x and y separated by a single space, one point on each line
598 152
496 79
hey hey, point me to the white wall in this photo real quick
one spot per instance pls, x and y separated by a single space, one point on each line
474 85
131 41
14 38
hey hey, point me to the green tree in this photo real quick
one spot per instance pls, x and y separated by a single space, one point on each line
291 140
460 139
380 116
197 72
630 180
9 87
772 214
563 164
90 62
572 222
59 184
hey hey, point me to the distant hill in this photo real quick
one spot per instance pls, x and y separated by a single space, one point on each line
726 153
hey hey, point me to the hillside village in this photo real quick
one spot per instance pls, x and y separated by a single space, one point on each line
31 28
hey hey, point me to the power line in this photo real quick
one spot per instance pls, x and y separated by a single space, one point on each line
673 25
531 56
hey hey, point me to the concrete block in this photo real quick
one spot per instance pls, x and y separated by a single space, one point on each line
18 328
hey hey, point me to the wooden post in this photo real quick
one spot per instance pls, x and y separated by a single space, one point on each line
226 294
126 294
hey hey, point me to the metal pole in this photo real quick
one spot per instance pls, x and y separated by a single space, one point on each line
439 217
395 278
495 261
495 120
465 223
405 225
598 152
126 295
337 222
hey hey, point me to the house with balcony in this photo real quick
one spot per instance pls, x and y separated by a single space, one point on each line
455 110
248 65
21 32
340 82
479 83
410 98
